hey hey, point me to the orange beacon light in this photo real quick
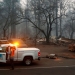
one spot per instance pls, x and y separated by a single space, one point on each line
16 44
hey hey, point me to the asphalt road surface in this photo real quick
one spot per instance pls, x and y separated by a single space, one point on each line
40 71
44 62
45 66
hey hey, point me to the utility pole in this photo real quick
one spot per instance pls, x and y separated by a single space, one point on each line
35 22
13 26
26 22
60 18
38 14
56 20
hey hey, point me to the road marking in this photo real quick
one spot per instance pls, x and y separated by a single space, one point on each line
47 67
41 67
4 69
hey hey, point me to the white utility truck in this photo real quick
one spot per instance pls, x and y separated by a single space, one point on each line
26 55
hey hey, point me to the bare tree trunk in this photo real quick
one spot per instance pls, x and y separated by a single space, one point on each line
47 40
71 36
4 33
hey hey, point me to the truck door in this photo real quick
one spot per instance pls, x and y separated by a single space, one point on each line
16 55
2 55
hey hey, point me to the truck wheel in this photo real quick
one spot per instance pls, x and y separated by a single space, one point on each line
27 61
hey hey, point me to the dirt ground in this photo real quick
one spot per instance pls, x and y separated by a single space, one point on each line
61 51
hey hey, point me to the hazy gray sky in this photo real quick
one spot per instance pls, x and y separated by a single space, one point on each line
23 2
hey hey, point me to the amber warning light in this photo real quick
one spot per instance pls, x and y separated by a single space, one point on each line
16 43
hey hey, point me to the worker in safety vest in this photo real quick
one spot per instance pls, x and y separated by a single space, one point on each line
12 53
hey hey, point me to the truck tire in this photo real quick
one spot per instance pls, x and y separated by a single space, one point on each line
27 61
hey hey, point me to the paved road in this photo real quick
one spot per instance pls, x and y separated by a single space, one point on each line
40 71
45 66
44 62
